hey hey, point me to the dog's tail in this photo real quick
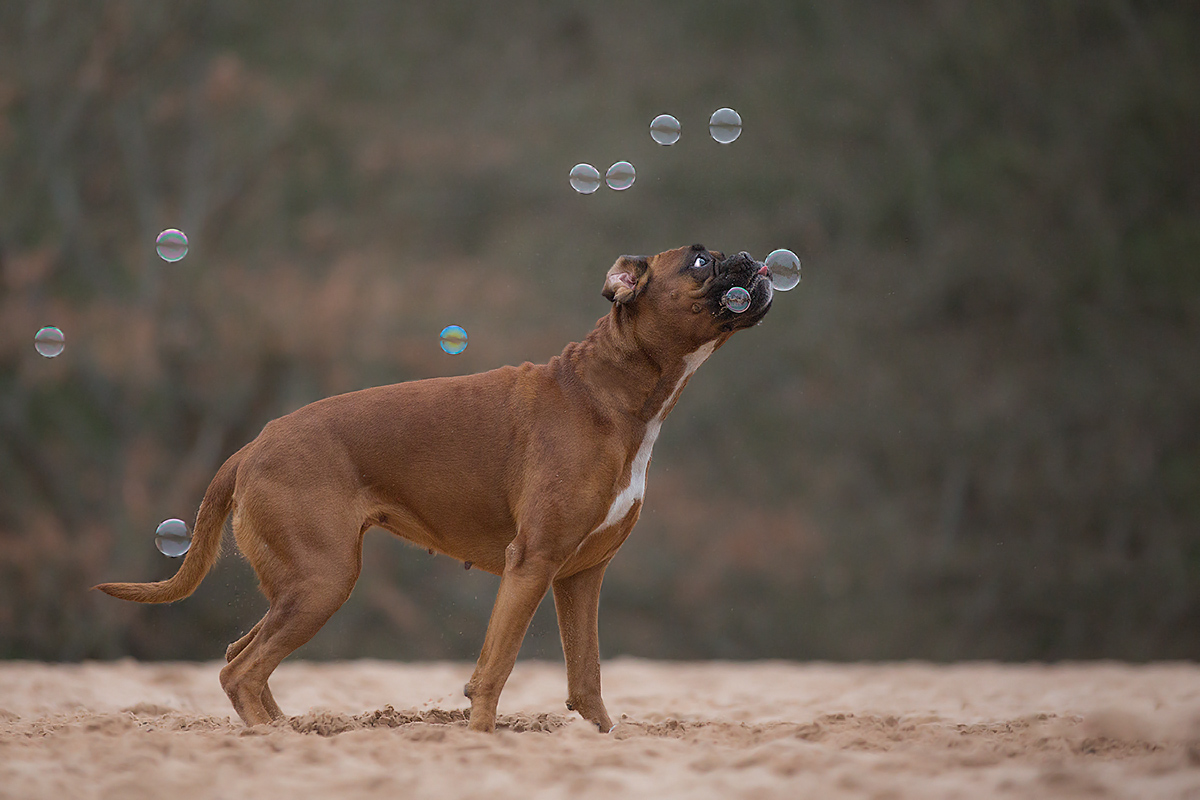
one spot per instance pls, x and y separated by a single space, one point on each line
206 545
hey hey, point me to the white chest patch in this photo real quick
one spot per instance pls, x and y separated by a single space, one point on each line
635 490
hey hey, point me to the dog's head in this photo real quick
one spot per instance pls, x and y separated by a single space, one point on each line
678 293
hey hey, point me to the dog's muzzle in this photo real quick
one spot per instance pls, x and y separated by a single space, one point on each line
742 270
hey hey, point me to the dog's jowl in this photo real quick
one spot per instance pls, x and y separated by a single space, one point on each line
539 480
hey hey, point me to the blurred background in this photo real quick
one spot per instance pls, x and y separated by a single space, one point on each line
973 431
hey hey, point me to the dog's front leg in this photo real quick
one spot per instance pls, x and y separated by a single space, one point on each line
527 576
577 602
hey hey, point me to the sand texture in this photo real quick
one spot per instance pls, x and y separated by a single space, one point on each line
697 730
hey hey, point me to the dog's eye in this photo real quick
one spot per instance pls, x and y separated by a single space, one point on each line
700 262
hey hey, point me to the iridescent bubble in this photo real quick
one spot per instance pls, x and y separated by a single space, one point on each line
585 178
454 339
736 300
725 125
49 341
665 129
173 538
620 176
785 269
172 245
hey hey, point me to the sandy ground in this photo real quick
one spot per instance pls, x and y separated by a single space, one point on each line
697 730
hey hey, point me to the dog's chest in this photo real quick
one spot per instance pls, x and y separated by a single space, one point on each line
635 489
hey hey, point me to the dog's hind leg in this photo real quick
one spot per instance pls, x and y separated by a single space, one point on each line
294 618
237 647
308 574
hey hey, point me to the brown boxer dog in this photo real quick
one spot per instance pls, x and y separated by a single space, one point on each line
534 473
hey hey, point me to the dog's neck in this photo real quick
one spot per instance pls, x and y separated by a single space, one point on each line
620 371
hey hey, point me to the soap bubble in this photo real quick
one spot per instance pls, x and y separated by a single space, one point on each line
585 178
454 339
173 538
664 129
49 341
172 245
725 125
620 176
785 269
736 300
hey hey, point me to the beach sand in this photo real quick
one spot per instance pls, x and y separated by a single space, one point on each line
695 729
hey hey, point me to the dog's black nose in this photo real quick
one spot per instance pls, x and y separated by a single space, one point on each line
742 259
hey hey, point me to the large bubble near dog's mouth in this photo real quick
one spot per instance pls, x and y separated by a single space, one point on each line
736 299
785 269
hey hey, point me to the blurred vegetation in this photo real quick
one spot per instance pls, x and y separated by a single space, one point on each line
972 431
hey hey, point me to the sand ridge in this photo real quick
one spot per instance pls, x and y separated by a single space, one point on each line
697 729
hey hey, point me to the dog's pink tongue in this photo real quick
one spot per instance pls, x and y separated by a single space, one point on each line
765 271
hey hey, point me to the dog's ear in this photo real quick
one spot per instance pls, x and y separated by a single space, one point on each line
621 283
